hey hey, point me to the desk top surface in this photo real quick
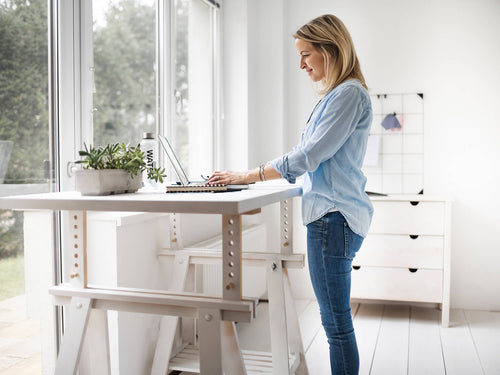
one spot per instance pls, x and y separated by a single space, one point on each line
235 202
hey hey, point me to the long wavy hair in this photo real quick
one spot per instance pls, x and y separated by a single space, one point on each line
329 35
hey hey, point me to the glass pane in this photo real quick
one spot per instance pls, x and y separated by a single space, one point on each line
24 145
124 37
192 132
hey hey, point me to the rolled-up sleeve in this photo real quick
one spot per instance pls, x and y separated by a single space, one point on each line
281 165
336 122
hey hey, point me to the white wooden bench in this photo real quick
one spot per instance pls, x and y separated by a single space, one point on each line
219 352
287 355
212 313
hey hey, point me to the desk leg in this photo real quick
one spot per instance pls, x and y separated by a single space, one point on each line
231 257
169 324
76 325
94 359
209 328
277 318
232 359
295 338
286 226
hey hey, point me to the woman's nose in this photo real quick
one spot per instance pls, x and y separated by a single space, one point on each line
302 64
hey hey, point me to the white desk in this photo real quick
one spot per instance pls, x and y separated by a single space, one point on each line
216 315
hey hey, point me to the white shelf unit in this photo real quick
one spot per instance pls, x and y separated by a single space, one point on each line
406 254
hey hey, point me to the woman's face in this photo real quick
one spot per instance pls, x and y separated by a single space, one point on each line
311 60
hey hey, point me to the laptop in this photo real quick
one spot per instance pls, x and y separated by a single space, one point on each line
184 185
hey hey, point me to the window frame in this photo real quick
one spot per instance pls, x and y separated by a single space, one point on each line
71 83
166 48
75 56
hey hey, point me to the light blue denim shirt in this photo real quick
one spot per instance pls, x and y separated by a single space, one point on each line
330 155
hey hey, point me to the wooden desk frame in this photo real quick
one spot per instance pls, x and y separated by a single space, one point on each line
216 316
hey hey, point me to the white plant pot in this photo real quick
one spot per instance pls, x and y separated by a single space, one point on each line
106 181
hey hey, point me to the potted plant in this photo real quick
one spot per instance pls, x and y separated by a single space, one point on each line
113 169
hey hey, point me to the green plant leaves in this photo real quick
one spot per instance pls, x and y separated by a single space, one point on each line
119 156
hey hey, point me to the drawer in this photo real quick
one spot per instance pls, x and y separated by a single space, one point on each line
397 250
406 218
397 284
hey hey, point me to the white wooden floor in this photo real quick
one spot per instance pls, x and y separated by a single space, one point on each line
397 339
392 338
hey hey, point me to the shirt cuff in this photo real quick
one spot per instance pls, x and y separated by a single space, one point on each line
281 165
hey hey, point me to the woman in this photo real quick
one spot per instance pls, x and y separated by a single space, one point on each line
335 207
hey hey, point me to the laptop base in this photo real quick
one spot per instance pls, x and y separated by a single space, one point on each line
196 188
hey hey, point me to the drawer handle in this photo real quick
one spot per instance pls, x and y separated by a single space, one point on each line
413 236
414 203
356 267
413 270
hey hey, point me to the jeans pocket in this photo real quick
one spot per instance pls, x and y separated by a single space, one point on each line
352 242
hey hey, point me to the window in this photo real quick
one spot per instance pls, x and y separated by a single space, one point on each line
195 97
154 70
124 98
24 151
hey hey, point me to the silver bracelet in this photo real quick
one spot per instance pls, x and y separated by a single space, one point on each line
261 172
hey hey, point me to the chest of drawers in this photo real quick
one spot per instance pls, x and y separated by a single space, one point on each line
406 254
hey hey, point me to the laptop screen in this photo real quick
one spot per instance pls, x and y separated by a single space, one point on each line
165 144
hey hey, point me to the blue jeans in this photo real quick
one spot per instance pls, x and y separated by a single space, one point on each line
331 246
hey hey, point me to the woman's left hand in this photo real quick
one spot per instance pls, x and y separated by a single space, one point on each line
227 178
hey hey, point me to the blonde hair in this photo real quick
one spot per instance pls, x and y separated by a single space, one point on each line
329 35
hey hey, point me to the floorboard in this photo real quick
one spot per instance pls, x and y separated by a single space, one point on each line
425 354
485 331
392 338
310 324
367 326
459 352
391 351
318 355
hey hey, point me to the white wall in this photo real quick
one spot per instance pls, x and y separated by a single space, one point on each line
446 49
235 87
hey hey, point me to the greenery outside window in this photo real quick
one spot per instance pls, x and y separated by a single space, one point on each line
154 71
24 115
24 169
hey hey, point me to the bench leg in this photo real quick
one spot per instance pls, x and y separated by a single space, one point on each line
295 338
277 318
164 345
94 359
232 359
69 354
169 324
209 328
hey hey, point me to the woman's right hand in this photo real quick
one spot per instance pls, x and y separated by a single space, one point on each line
228 178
